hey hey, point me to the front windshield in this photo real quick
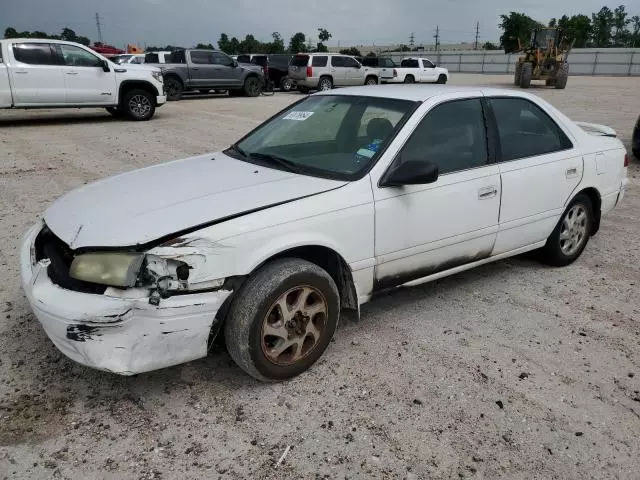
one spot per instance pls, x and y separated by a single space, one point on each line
337 136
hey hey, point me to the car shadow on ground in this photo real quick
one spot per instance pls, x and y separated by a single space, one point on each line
59 119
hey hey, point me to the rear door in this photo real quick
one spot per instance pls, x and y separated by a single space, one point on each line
428 71
36 75
539 170
298 67
85 80
204 71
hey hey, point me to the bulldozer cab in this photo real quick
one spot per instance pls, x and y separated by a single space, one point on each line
545 38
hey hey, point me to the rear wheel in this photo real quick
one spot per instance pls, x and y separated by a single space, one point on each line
409 79
442 79
371 81
282 319
562 76
518 74
139 105
252 86
527 73
325 83
570 237
174 88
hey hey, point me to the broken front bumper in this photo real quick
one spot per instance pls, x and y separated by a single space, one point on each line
115 334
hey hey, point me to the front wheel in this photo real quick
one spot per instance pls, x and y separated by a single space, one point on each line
371 81
282 319
442 79
570 237
173 87
525 76
409 79
139 105
325 83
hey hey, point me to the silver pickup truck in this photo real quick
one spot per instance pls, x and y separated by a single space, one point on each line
205 70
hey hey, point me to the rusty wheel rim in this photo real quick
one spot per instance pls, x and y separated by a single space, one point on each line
293 325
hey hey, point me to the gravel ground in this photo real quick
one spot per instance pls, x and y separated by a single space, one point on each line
512 370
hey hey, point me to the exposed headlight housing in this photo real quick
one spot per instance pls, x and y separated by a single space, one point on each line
106 268
158 76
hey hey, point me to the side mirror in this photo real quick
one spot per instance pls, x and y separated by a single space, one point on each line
234 63
105 65
411 172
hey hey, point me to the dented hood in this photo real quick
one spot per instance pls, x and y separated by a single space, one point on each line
144 205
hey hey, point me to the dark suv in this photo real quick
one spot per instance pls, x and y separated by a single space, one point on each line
275 65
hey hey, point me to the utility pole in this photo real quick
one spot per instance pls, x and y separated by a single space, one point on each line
412 41
99 27
475 45
437 37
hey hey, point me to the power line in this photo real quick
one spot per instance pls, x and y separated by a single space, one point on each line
99 27
475 44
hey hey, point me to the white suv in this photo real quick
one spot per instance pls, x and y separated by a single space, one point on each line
323 71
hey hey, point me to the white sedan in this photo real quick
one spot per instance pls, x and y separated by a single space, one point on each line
339 196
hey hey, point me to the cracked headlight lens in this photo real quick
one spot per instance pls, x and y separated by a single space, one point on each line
114 269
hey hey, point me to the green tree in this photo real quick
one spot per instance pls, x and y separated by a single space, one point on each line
621 35
83 40
224 44
277 45
517 28
250 45
577 28
297 43
68 35
352 51
602 24
371 54
205 46
490 46
323 36
11 32
634 41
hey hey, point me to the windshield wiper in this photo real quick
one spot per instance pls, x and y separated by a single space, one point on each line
283 162
237 149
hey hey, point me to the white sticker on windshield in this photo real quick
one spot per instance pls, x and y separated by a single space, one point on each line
365 152
300 116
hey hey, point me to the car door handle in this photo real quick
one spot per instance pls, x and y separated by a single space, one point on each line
487 192
195 68
72 73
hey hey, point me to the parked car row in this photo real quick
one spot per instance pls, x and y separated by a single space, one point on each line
45 73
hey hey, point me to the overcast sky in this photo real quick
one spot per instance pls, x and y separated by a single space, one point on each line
356 22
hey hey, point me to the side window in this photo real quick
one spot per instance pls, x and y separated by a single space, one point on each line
410 63
166 57
151 58
525 130
78 57
452 136
319 61
34 53
388 63
138 60
427 64
337 61
376 120
244 59
351 62
178 56
222 59
202 58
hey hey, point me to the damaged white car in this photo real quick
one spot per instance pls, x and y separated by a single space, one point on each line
343 194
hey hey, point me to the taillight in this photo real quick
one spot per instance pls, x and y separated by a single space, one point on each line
309 72
626 159
265 69
395 72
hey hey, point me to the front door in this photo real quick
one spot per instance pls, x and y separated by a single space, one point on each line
424 229
339 71
225 74
86 82
428 73
204 71
355 73
539 168
36 75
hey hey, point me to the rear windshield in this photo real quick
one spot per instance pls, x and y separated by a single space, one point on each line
320 61
300 60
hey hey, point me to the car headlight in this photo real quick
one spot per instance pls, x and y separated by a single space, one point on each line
158 76
114 269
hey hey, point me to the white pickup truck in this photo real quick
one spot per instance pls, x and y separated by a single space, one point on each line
418 70
43 73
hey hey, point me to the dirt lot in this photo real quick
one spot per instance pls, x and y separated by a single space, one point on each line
512 370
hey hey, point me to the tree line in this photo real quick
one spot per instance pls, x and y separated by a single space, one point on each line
605 28
65 34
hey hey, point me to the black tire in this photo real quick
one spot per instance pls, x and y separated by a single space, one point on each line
550 82
304 90
173 88
409 79
325 83
562 76
371 80
442 79
139 105
553 252
525 76
115 111
518 74
252 87
286 84
256 302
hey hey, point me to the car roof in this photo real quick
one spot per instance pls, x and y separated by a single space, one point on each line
47 40
418 93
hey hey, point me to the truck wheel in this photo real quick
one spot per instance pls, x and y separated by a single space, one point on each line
525 77
252 86
173 87
282 319
115 111
409 79
325 83
562 76
371 81
139 104
568 239
442 79
518 74
286 84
